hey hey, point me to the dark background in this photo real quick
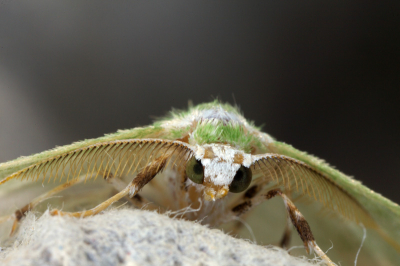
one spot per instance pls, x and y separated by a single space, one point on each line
322 76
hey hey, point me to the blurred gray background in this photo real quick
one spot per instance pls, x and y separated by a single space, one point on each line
322 76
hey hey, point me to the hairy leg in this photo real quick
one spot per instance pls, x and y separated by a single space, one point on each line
137 200
296 218
285 240
141 179
118 184
20 213
251 193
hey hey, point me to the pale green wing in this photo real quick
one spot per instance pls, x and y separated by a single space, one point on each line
117 159
301 182
384 212
111 159
104 157
13 166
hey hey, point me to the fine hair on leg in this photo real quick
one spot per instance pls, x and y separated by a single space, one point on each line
296 218
141 179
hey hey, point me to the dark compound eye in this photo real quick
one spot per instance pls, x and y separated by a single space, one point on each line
242 180
195 171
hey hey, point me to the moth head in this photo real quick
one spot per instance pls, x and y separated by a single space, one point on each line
220 169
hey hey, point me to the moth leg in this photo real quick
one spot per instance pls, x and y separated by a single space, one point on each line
137 200
20 213
246 206
287 235
246 202
295 216
242 206
141 179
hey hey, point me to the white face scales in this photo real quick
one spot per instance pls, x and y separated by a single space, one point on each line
220 162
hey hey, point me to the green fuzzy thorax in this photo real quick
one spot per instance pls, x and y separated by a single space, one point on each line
213 122
216 131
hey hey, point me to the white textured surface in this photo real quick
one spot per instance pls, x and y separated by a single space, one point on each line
132 237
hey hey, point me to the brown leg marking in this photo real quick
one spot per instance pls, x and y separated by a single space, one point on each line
295 216
19 214
137 200
142 178
250 200
285 241
302 226
244 206
251 192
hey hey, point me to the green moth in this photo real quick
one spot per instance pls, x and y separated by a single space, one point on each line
212 159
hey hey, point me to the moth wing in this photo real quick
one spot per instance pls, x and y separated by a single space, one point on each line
109 156
13 166
110 159
384 243
299 180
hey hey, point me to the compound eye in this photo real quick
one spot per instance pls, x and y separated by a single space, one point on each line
242 180
195 171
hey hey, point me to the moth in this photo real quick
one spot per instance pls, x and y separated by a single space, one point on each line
211 159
